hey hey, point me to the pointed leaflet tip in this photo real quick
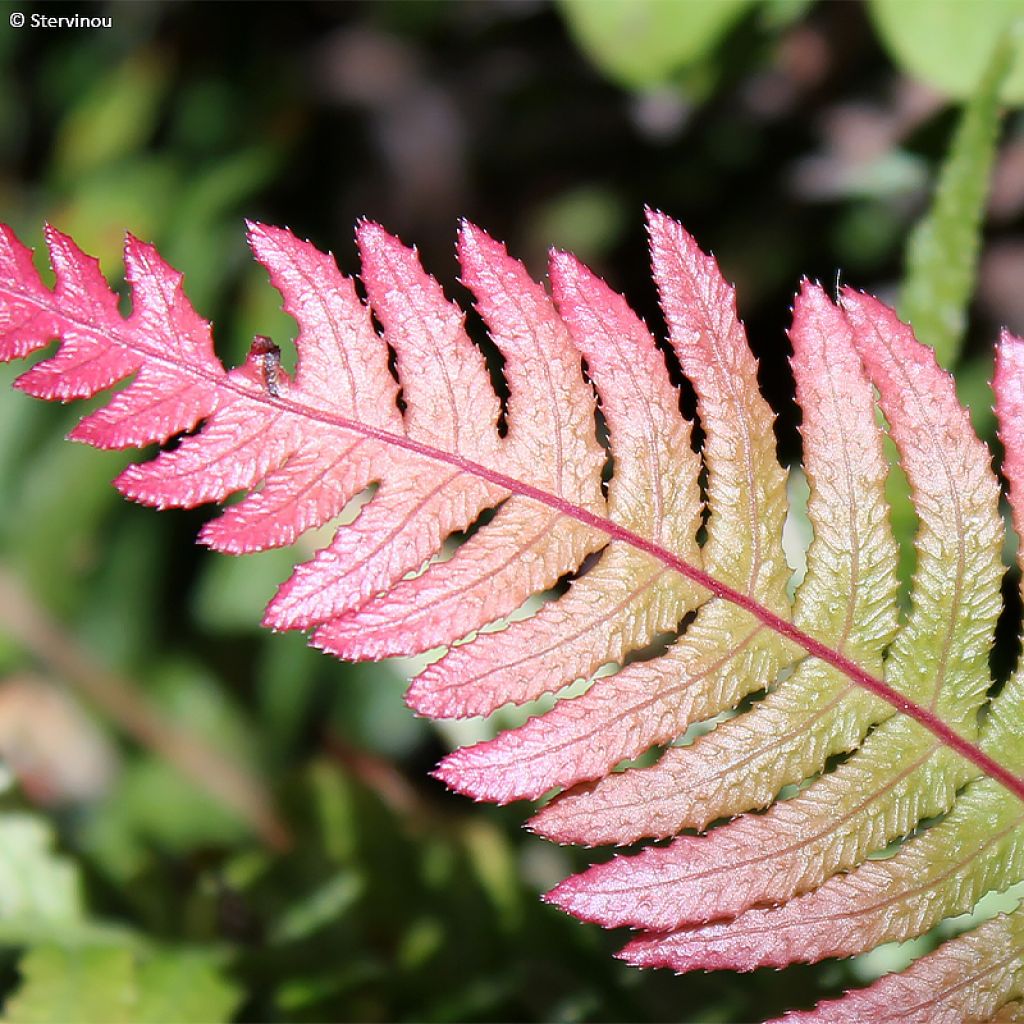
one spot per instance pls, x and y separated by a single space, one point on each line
467 771
663 229
371 236
258 233
473 245
565 896
472 235
457 772
51 233
482 258
78 274
565 264
255 231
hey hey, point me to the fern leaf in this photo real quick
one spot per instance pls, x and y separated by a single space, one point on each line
930 765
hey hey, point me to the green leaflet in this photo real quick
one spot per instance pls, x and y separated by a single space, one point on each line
942 251
941 259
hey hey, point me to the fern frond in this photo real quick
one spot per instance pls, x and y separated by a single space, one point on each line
836 673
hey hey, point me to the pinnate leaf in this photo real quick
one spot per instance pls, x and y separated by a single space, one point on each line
787 743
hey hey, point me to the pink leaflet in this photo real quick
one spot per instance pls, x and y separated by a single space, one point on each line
601 617
627 598
160 401
311 486
28 322
523 550
342 361
652 487
966 979
940 873
619 718
746 485
240 444
746 496
550 407
405 522
416 507
956 496
342 365
100 347
451 403
744 762
853 552
655 469
762 860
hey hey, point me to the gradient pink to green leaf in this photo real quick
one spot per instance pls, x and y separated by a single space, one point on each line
838 670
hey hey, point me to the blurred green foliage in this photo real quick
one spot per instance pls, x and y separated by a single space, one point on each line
950 44
119 986
942 251
778 131
641 43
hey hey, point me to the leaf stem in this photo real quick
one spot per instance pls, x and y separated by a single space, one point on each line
816 648
246 389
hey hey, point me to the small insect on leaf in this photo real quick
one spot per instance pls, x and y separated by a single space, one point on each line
268 357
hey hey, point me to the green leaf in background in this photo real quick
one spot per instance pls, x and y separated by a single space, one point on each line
73 985
589 219
779 14
52 549
948 43
942 251
39 890
323 906
642 43
231 589
183 986
152 805
117 984
113 119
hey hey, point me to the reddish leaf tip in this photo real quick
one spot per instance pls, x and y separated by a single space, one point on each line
52 233
457 771
472 239
562 895
567 269
370 233
255 230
